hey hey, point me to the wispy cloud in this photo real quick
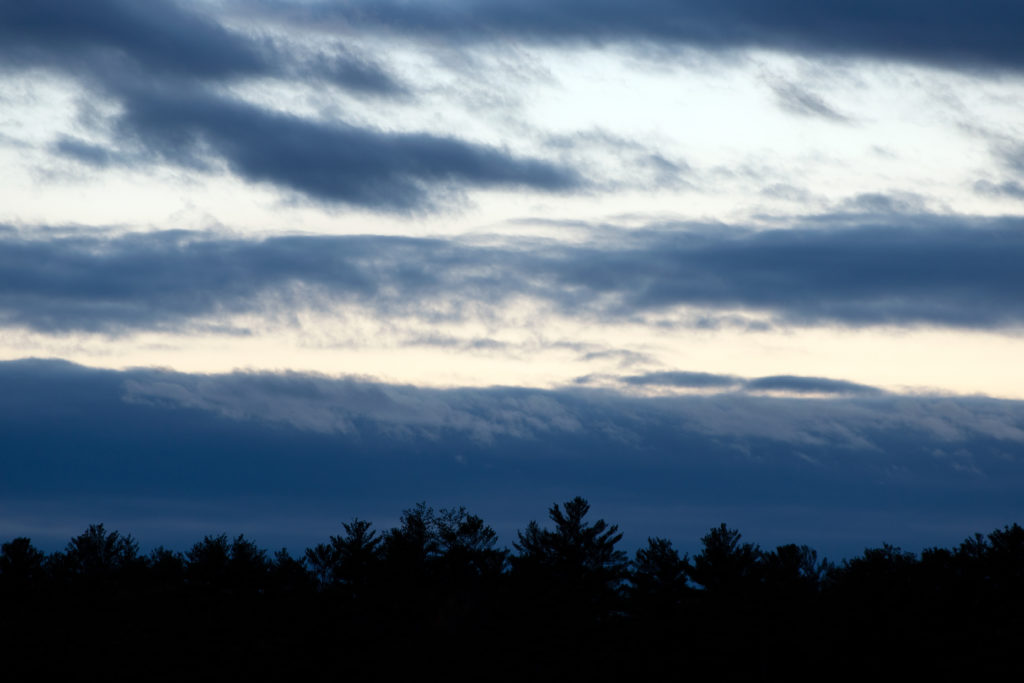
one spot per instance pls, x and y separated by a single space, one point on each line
1007 188
802 102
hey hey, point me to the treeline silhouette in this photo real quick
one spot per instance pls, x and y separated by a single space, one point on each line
436 597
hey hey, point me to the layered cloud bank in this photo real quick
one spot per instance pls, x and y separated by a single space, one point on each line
287 457
917 269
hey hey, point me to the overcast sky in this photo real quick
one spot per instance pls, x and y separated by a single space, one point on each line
787 231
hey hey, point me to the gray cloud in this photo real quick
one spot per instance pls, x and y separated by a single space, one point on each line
624 357
86 152
797 100
146 280
155 449
1007 188
104 39
788 192
906 270
949 33
1009 151
875 203
330 161
162 64
636 165
354 406
809 385
901 270
780 383
322 404
692 380
159 36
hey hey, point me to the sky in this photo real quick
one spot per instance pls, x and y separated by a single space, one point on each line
266 265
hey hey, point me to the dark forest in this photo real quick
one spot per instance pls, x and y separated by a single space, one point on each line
436 597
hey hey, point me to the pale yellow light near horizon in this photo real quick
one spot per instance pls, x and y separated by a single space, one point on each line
559 351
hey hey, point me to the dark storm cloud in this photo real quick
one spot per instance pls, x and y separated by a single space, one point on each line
169 456
949 33
910 270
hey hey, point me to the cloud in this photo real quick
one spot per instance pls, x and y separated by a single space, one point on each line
1007 188
691 380
797 100
165 66
903 270
105 39
947 33
809 385
883 204
1009 151
777 383
329 161
158 36
788 192
147 280
283 456
85 152
636 165
357 406
350 70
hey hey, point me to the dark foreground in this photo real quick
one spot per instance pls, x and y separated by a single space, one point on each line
435 598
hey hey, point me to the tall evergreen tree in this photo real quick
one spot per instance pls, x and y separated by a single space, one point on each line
576 561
